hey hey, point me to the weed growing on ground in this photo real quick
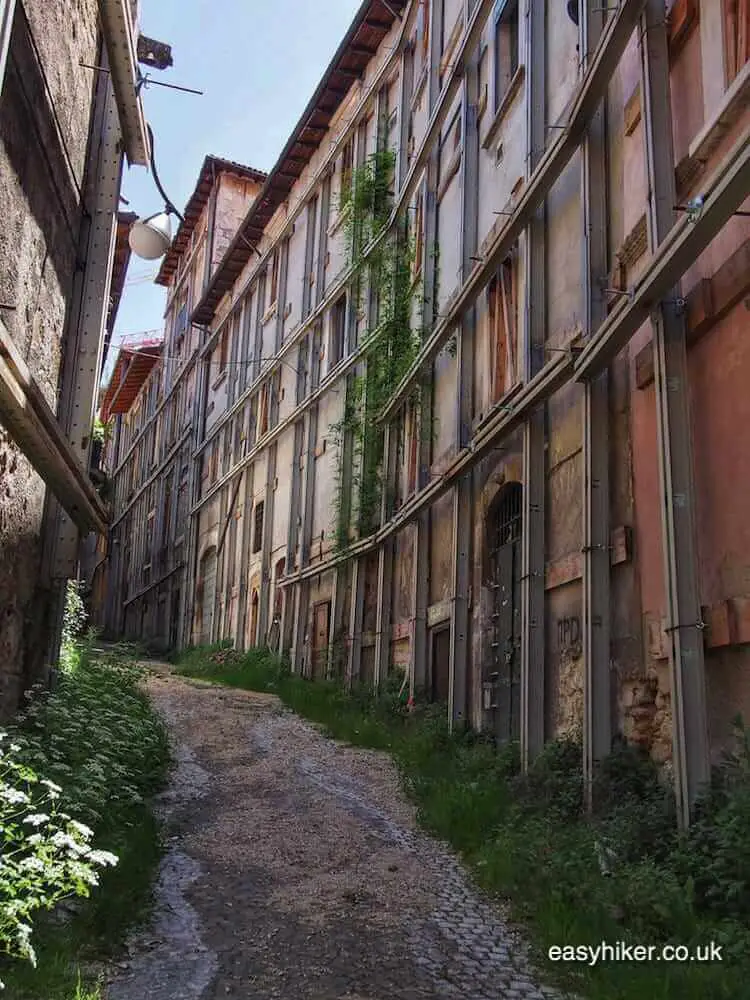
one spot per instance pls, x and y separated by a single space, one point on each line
624 875
97 739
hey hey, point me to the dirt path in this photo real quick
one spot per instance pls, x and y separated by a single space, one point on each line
295 870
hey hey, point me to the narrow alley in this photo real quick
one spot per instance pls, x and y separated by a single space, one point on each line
294 869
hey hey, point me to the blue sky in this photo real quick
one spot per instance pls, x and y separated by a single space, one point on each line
257 64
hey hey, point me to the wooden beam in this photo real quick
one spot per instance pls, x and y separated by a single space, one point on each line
33 426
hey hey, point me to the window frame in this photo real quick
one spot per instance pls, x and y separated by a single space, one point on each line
505 48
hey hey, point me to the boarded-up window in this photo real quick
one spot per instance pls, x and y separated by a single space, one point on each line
223 349
412 437
214 460
423 32
506 46
263 416
274 278
347 162
737 35
501 303
418 234
258 527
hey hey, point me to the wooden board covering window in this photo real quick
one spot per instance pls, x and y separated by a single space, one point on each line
737 35
501 302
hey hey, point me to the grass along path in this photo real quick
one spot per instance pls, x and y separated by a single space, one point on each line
627 876
97 736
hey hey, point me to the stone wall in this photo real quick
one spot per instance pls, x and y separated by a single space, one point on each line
41 172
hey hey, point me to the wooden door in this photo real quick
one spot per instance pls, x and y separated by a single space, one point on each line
321 623
440 668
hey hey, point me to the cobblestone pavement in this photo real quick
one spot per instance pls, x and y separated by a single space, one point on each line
295 870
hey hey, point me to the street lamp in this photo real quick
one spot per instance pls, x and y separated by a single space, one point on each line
150 238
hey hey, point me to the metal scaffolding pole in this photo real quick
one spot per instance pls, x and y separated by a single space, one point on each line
597 728
690 744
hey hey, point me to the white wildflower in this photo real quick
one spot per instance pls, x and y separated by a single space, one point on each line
14 796
102 858
36 819
80 828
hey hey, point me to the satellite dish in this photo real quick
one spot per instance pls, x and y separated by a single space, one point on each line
573 11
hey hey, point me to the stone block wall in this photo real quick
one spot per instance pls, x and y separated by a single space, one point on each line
45 112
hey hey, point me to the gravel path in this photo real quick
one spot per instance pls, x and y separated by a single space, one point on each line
295 870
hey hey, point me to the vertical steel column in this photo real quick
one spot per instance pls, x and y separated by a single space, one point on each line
82 363
271 458
245 543
219 588
356 614
597 723
303 588
7 11
463 500
534 487
386 551
421 568
689 720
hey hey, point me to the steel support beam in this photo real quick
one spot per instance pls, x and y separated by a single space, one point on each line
690 744
421 554
551 165
7 11
597 721
308 499
82 363
463 494
356 612
245 544
385 566
724 192
533 522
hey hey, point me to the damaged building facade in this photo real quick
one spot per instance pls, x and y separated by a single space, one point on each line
468 381
65 132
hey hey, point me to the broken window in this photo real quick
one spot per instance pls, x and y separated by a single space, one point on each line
423 32
213 468
506 46
347 163
412 437
501 304
338 331
418 234
263 417
274 277
223 350
258 527
737 35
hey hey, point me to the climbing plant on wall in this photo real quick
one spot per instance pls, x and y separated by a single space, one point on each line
383 291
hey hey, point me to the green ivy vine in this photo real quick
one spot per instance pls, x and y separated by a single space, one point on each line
381 285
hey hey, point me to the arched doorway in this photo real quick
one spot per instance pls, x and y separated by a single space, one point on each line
503 577
207 595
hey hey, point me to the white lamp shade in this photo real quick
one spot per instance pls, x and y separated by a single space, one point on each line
150 238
